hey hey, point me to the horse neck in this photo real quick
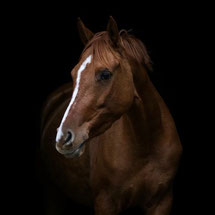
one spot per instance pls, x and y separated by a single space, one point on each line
149 115
145 113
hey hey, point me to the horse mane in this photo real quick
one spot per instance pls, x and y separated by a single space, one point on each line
133 47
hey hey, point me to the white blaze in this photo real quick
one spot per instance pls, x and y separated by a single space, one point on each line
75 92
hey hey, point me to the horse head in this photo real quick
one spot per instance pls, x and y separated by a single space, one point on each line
103 88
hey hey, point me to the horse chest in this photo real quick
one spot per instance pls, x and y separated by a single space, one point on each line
127 182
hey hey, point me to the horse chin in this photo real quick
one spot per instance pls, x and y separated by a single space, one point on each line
77 153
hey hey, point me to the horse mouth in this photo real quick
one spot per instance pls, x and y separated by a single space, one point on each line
76 152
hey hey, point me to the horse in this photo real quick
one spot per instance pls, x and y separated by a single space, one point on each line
108 139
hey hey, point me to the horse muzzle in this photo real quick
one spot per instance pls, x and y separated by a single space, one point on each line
74 152
70 145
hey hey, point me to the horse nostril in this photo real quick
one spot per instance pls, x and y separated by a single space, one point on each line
69 138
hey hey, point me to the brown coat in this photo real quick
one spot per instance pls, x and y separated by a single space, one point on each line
129 146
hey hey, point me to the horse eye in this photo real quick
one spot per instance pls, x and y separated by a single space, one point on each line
105 75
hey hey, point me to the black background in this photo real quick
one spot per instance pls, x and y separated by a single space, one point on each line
43 46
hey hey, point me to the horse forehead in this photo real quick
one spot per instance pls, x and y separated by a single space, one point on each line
107 60
82 65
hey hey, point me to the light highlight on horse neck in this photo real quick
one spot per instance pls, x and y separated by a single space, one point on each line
74 95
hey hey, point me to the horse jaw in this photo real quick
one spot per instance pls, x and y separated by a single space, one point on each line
77 153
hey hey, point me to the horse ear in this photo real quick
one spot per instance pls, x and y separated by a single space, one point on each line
84 32
113 31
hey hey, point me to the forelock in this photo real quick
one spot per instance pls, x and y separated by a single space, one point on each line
100 47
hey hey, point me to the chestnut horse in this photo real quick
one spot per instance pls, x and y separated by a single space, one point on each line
108 139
